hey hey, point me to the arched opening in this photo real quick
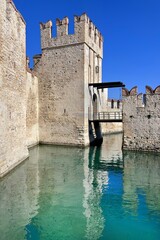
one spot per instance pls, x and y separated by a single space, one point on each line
95 107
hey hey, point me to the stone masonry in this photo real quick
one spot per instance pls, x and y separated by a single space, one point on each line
67 64
13 145
32 111
52 103
141 119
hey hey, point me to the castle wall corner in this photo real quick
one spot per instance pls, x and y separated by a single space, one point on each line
32 111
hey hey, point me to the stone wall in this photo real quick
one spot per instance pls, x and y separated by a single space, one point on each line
113 127
67 64
53 107
141 119
32 116
114 104
12 87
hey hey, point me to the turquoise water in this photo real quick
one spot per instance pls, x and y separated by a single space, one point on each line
72 193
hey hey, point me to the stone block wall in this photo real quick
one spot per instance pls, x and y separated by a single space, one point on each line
63 72
61 96
115 127
114 104
13 147
141 119
50 104
32 114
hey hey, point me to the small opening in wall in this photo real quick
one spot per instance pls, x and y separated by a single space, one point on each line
144 99
112 103
149 116
118 103
90 29
155 104
131 116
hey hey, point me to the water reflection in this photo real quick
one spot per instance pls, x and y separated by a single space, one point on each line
96 166
19 192
141 178
73 193
60 213
93 182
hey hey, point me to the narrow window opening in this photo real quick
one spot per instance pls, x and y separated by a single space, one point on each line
118 103
112 103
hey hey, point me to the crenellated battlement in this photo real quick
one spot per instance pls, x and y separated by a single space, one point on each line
134 91
62 26
135 99
141 119
149 90
84 32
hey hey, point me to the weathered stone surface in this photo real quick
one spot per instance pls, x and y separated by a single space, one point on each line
68 63
51 104
141 120
32 116
114 127
13 147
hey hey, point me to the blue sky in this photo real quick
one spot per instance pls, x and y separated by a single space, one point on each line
131 31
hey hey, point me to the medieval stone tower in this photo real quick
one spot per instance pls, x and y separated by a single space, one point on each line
53 102
65 68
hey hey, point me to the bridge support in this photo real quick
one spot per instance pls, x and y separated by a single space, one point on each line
96 140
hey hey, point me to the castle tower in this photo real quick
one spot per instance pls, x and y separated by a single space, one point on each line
69 62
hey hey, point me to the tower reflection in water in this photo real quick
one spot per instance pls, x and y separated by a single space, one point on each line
73 193
97 164
122 192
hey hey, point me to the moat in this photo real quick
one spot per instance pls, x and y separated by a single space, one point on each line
71 193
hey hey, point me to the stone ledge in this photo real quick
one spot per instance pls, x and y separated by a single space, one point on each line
64 144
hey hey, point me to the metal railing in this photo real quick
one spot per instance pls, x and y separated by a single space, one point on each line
108 116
